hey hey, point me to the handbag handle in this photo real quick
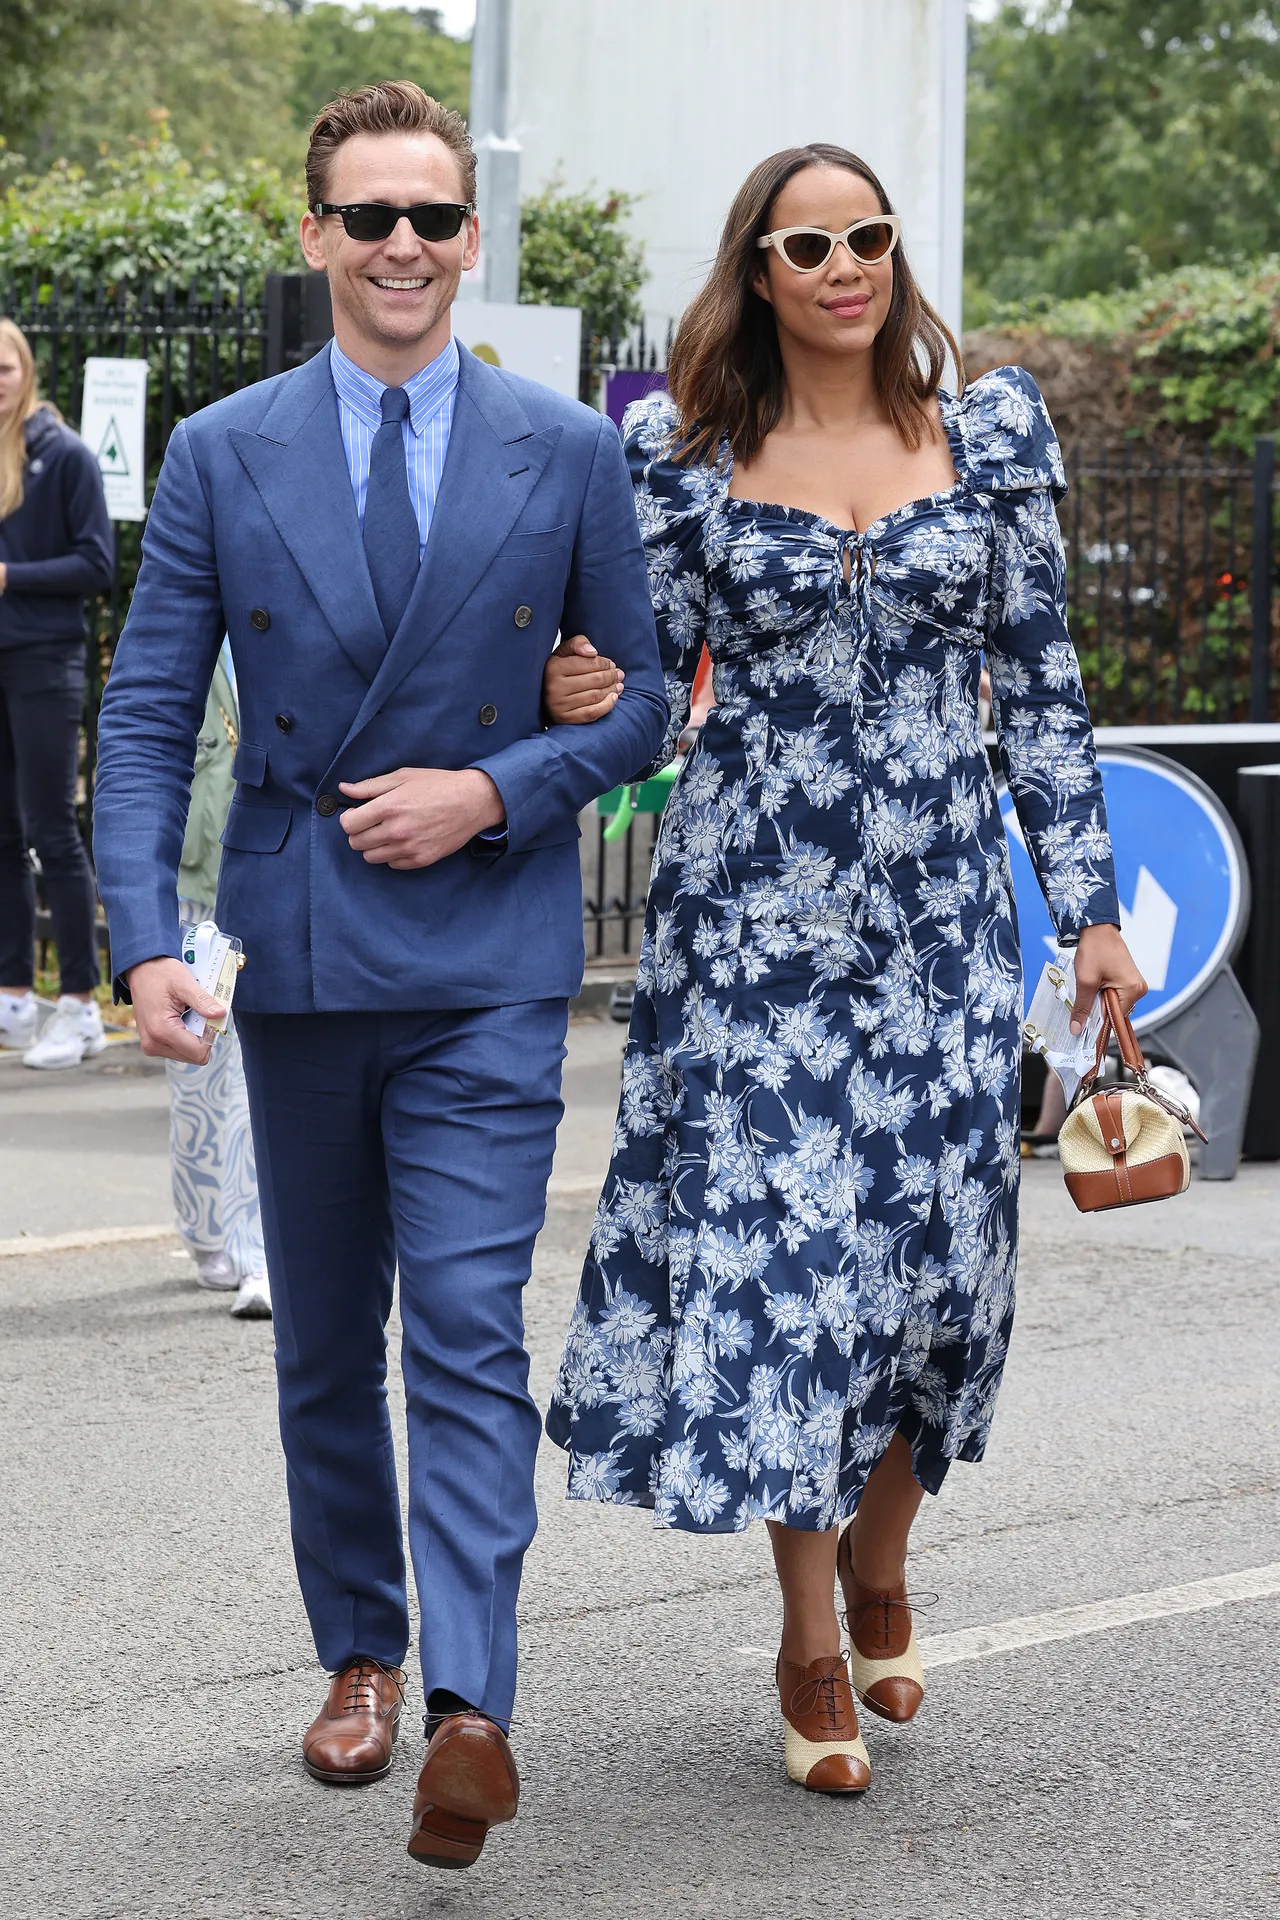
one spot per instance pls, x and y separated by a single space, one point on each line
1115 1021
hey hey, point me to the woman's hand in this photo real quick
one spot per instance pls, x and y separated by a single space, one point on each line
1103 960
578 684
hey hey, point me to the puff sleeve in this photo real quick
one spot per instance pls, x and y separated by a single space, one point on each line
670 506
1038 705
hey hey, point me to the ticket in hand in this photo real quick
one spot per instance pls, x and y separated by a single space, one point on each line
1047 1029
214 959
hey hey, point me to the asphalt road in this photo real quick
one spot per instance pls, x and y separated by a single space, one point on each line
158 1670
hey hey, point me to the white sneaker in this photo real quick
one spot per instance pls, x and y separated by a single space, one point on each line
73 1034
214 1271
253 1302
19 1017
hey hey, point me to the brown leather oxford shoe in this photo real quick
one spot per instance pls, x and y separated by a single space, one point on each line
350 1741
468 1784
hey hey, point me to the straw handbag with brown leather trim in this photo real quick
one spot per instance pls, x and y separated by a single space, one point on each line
1125 1144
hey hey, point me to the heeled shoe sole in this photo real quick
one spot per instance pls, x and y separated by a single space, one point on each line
471 1788
447 1840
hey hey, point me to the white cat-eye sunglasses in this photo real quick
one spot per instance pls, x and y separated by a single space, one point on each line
808 248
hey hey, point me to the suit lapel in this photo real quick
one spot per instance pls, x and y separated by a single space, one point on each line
297 462
495 460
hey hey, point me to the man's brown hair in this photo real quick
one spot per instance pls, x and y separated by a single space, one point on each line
391 106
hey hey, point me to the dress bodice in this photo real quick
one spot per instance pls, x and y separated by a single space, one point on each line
876 638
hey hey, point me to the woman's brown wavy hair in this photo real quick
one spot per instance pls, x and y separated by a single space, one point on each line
725 372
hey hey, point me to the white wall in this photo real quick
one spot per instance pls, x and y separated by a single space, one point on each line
675 100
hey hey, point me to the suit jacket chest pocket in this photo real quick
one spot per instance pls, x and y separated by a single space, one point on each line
528 579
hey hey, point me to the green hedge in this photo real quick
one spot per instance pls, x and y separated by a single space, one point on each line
150 213
1200 346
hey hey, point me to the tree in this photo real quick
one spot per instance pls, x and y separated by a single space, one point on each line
38 40
334 48
231 80
208 71
1109 139
578 252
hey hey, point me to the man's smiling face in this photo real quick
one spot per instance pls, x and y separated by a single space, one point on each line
391 298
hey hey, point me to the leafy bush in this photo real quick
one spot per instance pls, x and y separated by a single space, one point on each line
578 252
151 213
1199 348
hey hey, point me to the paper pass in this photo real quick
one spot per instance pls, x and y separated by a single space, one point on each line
1047 1029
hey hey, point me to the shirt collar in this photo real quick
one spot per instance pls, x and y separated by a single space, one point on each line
429 390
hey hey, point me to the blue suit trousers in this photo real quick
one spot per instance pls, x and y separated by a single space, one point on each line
423 1139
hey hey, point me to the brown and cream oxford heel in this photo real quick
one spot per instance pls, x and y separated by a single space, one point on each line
824 1749
884 1656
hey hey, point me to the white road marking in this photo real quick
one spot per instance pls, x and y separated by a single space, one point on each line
81 1237
565 1189
1095 1616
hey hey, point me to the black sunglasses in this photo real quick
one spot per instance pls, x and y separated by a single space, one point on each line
371 220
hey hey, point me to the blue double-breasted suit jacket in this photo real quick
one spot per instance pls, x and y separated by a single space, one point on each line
253 531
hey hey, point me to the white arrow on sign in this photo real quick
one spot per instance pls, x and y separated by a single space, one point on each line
1147 927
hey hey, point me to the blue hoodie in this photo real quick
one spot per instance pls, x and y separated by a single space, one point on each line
57 547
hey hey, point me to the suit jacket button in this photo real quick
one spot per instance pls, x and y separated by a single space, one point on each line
327 804
523 615
488 714
284 723
260 618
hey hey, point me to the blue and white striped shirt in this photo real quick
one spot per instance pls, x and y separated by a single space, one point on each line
426 426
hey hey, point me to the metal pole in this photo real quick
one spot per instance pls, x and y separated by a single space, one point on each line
951 146
1262 579
497 153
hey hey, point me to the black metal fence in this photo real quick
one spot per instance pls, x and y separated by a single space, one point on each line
1171 561
1171 584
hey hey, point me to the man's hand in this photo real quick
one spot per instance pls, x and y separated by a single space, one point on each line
161 991
1103 960
579 684
418 815
4 576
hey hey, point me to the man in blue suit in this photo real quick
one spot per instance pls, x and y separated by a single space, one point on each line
392 535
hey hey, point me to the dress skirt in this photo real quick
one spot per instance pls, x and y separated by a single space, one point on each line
807 1238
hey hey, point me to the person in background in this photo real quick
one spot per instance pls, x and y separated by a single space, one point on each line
55 548
215 1184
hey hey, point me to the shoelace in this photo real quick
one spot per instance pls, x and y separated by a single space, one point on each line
882 1629
821 1694
362 1690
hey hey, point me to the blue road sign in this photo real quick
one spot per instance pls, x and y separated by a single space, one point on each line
1180 870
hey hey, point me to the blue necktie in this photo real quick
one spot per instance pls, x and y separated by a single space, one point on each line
390 523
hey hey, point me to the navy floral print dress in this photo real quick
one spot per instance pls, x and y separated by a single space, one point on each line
808 1234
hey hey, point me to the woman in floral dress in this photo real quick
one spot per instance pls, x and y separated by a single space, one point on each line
799 1292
